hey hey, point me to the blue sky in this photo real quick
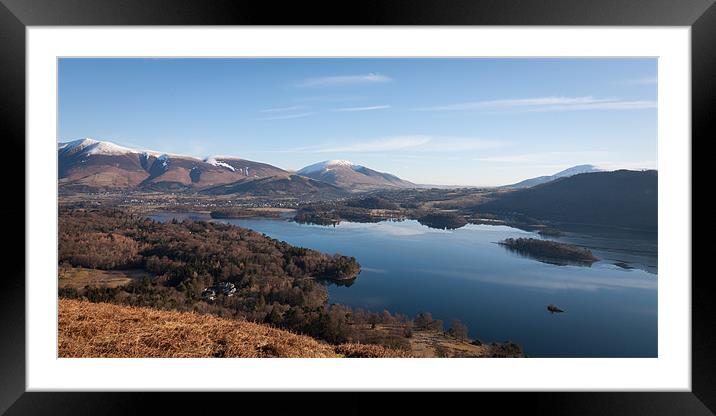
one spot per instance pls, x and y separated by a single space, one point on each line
434 121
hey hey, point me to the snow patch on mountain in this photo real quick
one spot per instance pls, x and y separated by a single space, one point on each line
326 165
89 146
576 170
214 161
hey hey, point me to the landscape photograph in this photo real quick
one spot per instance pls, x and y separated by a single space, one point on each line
357 207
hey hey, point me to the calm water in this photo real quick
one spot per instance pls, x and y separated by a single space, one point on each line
462 274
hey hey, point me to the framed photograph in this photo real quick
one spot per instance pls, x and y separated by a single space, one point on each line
464 197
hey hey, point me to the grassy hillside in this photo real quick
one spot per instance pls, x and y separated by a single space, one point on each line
88 329
105 330
621 198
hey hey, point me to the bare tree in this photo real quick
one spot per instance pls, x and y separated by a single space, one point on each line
458 329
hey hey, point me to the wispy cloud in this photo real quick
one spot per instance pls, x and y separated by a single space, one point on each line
541 156
607 105
642 81
352 109
461 144
380 145
339 80
546 104
284 109
519 102
328 98
287 116
407 143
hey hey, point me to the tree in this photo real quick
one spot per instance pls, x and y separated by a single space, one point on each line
436 325
458 329
385 317
274 317
422 320
373 319
359 316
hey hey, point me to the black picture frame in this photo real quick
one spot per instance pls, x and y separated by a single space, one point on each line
16 15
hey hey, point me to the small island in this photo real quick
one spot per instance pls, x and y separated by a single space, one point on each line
443 220
313 216
550 251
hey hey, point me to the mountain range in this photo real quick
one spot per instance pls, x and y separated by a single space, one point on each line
93 164
88 164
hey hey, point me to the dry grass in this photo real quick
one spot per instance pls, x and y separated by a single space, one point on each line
369 351
105 330
435 344
79 277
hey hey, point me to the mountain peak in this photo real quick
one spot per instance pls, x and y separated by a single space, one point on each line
76 144
326 164
576 170
348 175
94 147
89 146
338 162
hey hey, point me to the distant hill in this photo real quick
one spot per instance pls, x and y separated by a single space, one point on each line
372 202
621 198
574 170
291 185
352 177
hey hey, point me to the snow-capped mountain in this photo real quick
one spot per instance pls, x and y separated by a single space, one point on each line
102 164
574 170
353 177
93 147
99 164
325 165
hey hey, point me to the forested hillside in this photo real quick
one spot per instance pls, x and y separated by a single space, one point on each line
621 198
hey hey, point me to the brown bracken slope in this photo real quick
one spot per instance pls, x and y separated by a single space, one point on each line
105 330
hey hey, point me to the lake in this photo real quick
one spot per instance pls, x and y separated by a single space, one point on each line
611 311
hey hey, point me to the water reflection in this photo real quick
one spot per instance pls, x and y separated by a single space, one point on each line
552 281
549 260
464 274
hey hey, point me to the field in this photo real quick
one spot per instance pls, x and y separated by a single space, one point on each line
79 277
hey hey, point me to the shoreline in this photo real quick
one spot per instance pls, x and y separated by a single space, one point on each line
634 259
